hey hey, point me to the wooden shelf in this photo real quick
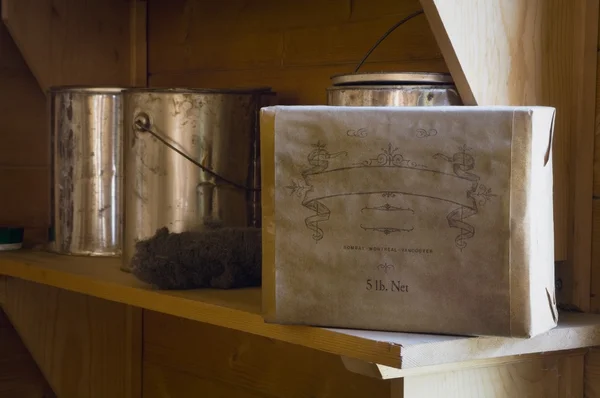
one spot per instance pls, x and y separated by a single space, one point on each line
240 310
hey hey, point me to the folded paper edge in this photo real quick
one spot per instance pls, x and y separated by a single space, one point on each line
518 245
267 146
528 293
543 298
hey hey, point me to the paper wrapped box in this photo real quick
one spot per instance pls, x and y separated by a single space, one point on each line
413 219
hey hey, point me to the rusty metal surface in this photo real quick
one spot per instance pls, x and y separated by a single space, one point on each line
218 130
86 175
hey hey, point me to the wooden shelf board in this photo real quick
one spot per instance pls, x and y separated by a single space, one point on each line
240 309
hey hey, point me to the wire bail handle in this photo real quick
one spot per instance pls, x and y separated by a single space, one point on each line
142 124
386 34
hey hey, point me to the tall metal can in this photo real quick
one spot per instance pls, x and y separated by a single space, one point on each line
191 160
86 130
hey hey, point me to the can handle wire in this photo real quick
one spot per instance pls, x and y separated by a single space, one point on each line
386 34
142 123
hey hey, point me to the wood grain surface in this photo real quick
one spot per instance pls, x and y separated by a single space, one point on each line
84 346
592 373
19 375
557 376
182 355
294 47
539 52
75 42
24 141
240 309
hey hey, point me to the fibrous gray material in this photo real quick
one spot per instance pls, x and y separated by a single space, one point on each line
222 258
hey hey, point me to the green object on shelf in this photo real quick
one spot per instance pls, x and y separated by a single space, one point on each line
11 238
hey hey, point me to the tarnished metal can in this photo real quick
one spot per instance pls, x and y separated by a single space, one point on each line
86 126
393 89
191 160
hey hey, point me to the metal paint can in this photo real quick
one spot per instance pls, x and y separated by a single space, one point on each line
86 126
191 160
393 89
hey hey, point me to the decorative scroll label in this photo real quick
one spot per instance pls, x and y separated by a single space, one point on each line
391 174
387 230
387 207
385 267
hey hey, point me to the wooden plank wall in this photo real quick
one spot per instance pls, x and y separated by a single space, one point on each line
24 155
185 359
85 347
292 46
73 42
70 42
595 272
19 375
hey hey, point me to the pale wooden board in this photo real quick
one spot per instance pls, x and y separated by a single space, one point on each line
236 309
192 354
547 377
585 56
538 52
19 375
383 372
240 310
84 346
574 331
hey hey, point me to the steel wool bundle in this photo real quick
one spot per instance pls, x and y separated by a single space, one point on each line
221 258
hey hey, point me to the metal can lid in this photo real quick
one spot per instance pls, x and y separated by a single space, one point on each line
190 90
88 89
381 78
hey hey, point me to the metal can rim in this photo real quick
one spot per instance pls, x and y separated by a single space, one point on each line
390 78
189 90
392 87
87 89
